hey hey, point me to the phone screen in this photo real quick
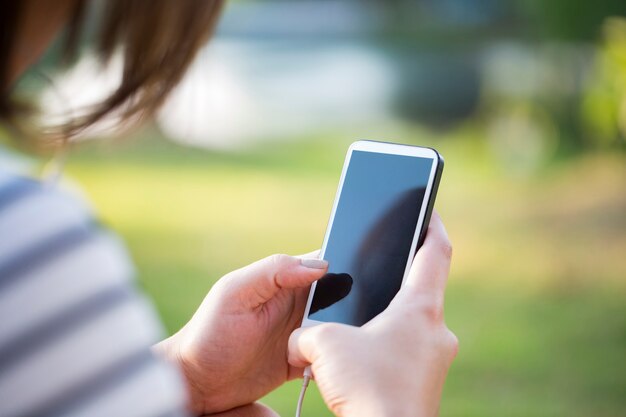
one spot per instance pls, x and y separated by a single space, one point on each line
371 236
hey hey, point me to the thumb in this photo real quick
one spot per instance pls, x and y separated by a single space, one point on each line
301 350
259 282
306 343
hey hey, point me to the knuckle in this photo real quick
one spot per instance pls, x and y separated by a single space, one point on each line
445 247
450 343
325 331
326 336
431 309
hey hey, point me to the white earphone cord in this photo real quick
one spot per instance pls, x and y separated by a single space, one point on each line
305 384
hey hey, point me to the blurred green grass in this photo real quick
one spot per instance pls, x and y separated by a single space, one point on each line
536 292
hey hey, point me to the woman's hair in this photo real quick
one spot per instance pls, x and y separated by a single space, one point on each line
158 40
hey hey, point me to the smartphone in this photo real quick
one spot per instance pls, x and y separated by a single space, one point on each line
378 222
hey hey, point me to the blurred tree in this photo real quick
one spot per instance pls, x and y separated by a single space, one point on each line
604 104
569 20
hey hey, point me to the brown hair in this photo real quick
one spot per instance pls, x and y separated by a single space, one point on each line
158 38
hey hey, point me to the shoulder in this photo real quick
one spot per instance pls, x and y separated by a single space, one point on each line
32 211
52 235
54 253
76 332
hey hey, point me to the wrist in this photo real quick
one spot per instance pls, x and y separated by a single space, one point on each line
170 350
165 350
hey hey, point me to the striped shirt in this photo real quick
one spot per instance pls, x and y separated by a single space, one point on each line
75 334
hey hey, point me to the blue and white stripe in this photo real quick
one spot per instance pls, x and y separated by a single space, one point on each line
75 334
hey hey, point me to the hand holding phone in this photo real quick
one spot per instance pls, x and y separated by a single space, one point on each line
379 220
396 364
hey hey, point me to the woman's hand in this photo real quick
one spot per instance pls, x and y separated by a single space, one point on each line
234 349
396 364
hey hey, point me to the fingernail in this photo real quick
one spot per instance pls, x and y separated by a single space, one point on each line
314 263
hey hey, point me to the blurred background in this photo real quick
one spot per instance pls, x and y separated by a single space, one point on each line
525 99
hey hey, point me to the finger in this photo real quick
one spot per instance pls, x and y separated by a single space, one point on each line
429 272
301 349
307 344
259 282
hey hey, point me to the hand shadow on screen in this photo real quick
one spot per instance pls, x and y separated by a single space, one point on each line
383 256
334 287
